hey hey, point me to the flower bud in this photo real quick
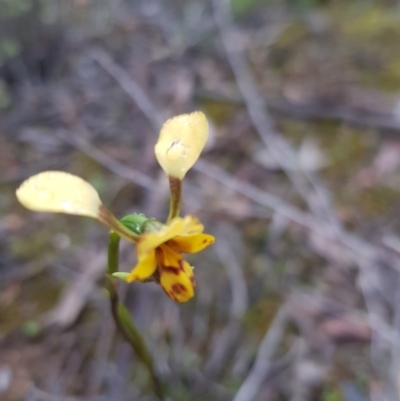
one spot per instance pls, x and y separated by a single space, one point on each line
182 138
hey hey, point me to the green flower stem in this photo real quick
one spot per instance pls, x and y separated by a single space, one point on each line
175 186
123 318
113 252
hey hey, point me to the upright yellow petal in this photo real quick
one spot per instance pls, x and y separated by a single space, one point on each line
181 141
193 244
144 269
192 226
178 284
59 192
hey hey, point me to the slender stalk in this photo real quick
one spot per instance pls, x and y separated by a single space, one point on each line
123 319
113 252
107 218
175 186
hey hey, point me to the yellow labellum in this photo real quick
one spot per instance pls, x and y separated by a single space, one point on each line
59 192
181 141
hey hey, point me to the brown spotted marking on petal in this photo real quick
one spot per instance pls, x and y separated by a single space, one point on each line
178 288
171 269
172 245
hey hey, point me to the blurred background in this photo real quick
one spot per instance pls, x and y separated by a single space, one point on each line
300 182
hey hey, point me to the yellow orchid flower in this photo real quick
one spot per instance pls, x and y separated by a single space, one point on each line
159 246
160 256
159 250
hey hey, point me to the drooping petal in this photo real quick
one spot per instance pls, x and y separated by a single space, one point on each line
144 269
59 192
168 257
178 284
189 225
193 244
181 141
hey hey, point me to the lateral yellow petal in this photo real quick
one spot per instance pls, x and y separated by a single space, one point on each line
189 225
193 244
59 192
178 284
144 269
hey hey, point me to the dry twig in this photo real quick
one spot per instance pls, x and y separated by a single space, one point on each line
262 364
